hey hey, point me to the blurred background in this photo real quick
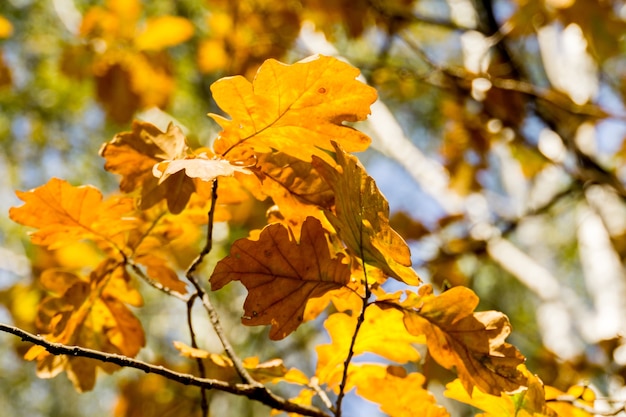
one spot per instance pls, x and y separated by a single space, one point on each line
498 139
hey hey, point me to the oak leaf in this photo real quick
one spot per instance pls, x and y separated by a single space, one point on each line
134 154
65 214
457 337
89 312
221 366
395 343
281 274
201 166
530 401
298 109
399 394
361 217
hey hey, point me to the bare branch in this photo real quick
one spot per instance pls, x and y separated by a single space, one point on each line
251 391
206 301
204 405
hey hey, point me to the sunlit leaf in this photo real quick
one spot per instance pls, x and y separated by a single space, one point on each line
297 108
133 155
399 394
89 312
361 218
202 167
65 214
457 337
394 343
281 274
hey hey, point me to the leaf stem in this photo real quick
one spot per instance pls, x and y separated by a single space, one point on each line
251 391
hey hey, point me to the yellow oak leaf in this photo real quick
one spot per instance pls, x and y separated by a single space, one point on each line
281 274
64 214
399 394
298 109
394 343
527 402
90 312
457 337
361 217
133 155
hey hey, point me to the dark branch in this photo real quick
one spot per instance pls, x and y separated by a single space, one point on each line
251 391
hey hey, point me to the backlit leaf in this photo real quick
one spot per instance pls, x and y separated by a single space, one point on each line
457 337
64 214
269 371
133 155
89 312
201 167
394 343
281 274
361 218
399 394
297 108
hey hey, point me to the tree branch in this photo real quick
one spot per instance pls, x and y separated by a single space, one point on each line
251 391
204 405
206 301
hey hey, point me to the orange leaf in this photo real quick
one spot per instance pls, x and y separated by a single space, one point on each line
134 154
163 32
281 274
297 108
88 312
64 214
473 343
361 218
398 393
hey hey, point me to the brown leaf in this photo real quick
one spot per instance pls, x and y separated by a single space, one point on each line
134 154
361 218
473 343
281 274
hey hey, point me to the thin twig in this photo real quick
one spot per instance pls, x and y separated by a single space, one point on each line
204 405
359 322
251 391
206 301
156 284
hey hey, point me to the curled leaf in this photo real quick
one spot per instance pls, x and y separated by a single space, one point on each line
361 217
201 167
457 337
